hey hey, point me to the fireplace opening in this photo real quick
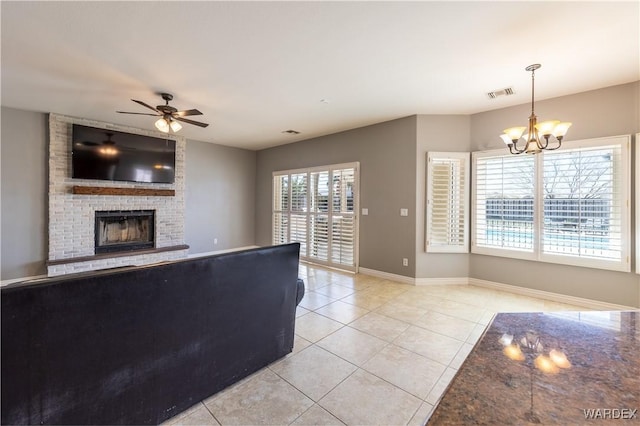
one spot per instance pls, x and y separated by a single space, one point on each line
124 230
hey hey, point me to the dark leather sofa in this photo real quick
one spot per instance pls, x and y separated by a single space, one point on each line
138 345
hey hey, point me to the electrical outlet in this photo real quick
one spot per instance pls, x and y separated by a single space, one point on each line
405 261
404 212
215 241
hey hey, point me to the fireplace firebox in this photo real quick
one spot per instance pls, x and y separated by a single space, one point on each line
124 230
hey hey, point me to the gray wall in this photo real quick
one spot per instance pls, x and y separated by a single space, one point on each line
386 153
604 112
24 174
220 197
444 133
229 191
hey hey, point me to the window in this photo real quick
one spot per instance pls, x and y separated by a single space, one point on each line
447 202
317 208
568 206
504 202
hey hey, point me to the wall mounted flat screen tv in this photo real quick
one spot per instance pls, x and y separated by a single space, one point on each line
106 154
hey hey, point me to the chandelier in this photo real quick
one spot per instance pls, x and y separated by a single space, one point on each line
532 141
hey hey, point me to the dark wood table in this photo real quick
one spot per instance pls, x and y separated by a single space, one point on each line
561 368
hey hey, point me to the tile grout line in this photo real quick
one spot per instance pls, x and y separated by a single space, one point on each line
211 413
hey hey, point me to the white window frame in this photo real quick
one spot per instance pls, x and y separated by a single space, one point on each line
624 192
461 197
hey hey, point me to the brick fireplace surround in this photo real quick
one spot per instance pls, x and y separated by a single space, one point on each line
72 216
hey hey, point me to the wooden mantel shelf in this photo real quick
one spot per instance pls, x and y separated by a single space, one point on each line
102 190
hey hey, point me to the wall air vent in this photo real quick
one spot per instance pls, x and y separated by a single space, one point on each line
291 132
502 92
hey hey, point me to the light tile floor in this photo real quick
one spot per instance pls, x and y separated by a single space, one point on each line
367 351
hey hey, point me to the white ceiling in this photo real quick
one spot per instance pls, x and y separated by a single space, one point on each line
256 69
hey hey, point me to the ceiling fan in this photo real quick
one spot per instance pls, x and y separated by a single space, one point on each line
169 116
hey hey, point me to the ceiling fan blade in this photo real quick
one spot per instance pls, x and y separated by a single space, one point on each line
138 113
145 105
186 113
196 123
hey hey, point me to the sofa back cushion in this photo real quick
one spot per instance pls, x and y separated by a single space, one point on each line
141 344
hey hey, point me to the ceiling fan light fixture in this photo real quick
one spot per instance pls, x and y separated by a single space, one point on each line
175 126
162 125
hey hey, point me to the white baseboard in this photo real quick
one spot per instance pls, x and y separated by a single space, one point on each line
442 281
547 295
540 294
414 281
326 267
387 276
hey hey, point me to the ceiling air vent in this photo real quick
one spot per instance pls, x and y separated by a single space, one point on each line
502 92
291 132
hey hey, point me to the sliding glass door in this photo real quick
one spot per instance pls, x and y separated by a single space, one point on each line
318 208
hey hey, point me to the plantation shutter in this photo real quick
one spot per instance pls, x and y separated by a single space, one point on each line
503 202
280 209
317 207
343 218
447 202
569 206
584 203
298 217
319 216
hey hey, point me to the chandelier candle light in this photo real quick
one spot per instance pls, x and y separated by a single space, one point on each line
546 129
